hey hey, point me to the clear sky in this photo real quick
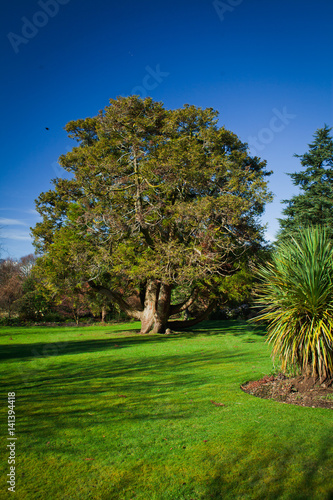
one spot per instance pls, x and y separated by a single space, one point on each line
265 65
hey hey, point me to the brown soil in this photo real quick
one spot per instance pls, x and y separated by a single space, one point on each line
296 391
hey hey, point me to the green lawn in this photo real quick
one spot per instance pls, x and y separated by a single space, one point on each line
105 413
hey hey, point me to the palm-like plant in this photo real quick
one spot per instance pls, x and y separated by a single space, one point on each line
296 297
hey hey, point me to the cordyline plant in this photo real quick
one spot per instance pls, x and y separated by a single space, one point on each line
158 200
296 297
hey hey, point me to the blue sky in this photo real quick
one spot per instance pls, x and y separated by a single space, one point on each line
265 65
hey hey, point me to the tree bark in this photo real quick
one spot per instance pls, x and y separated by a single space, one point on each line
156 310
148 313
162 312
103 314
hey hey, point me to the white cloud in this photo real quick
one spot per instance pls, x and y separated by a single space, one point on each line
11 222
31 211
12 234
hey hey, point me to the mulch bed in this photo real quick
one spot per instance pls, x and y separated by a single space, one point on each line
296 391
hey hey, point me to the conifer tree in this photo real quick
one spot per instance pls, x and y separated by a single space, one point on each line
159 200
314 204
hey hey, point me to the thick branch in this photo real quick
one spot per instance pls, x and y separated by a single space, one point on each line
182 325
118 299
177 308
138 204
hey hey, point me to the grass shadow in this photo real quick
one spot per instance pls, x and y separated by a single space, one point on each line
135 389
46 349
255 472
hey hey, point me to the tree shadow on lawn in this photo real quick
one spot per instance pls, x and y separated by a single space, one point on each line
134 389
281 470
233 327
46 349
113 368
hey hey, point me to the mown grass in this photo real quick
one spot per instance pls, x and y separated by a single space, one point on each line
105 413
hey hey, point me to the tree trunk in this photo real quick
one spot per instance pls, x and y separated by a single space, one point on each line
163 309
156 307
148 313
155 311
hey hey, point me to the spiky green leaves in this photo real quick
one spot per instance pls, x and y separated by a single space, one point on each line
296 296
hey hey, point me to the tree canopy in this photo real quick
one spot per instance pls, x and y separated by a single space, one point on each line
159 200
314 205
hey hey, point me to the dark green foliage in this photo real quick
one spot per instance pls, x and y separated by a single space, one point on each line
36 301
314 204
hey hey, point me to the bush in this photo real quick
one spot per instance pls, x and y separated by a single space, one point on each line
10 321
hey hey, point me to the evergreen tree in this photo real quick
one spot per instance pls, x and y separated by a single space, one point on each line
159 199
314 204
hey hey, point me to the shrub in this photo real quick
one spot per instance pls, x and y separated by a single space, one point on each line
296 297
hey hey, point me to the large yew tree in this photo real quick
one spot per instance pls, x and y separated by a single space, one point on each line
163 205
